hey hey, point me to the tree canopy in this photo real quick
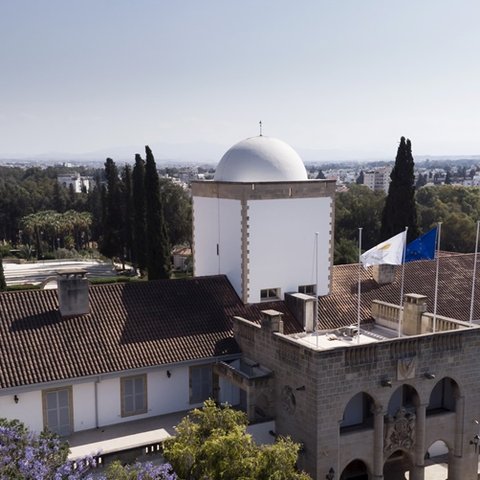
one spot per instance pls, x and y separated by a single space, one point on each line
212 443
158 248
3 283
400 209
26 455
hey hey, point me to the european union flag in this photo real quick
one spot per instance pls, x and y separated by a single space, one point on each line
422 248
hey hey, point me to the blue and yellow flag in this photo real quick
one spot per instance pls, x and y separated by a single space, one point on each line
422 248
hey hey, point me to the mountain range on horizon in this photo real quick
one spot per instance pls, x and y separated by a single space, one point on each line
209 153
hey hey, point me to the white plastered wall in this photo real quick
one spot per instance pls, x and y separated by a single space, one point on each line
164 395
282 244
28 409
217 221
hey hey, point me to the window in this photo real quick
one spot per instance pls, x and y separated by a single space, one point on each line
201 383
307 289
270 294
57 410
134 395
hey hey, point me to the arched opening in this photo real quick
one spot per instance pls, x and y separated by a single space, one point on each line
397 466
442 398
356 470
405 397
437 460
358 413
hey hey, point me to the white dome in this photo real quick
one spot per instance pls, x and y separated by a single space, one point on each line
261 159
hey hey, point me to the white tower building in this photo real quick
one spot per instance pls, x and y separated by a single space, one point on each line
256 222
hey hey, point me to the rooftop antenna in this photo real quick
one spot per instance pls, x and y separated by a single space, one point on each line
260 123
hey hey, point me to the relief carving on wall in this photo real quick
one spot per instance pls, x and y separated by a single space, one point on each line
406 368
400 431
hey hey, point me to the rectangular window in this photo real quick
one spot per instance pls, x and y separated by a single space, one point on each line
307 289
270 294
201 383
57 410
134 395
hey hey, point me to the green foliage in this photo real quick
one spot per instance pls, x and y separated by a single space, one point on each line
52 229
111 244
357 207
400 208
457 207
158 249
346 251
3 283
361 178
178 212
212 443
24 286
139 252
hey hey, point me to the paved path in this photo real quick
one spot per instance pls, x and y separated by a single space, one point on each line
35 273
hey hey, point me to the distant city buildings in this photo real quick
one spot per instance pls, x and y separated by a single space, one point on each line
378 179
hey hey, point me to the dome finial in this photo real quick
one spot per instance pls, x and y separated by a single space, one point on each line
260 123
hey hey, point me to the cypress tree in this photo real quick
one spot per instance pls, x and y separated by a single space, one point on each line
3 283
158 249
400 208
127 206
111 244
139 250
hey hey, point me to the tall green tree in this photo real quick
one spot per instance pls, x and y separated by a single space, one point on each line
158 249
111 244
139 246
212 443
177 208
400 208
127 213
3 282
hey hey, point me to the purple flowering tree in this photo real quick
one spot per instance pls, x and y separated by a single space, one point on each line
25 455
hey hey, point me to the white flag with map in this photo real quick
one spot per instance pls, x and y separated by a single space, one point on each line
389 252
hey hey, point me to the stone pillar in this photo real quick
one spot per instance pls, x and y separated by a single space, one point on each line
456 459
459 412
378 433
418 471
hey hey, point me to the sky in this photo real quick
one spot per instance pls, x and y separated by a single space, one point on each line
333 78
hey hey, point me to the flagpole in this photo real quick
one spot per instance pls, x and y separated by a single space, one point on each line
474 272
359 281
316 286
436 277
400 318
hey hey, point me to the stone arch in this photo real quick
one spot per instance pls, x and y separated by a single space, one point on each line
355 470
405 396
398 463
358 412
437 448
443 396
48 283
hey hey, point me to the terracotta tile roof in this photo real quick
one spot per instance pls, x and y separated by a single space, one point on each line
454 290
132 325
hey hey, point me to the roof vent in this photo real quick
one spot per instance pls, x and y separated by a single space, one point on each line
73 293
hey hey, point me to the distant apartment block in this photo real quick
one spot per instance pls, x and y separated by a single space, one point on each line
78 182
378 179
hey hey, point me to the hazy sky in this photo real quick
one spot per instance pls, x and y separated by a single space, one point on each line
346 76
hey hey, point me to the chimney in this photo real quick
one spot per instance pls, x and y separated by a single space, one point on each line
73 293
413 307
303 308
383 273
272 320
